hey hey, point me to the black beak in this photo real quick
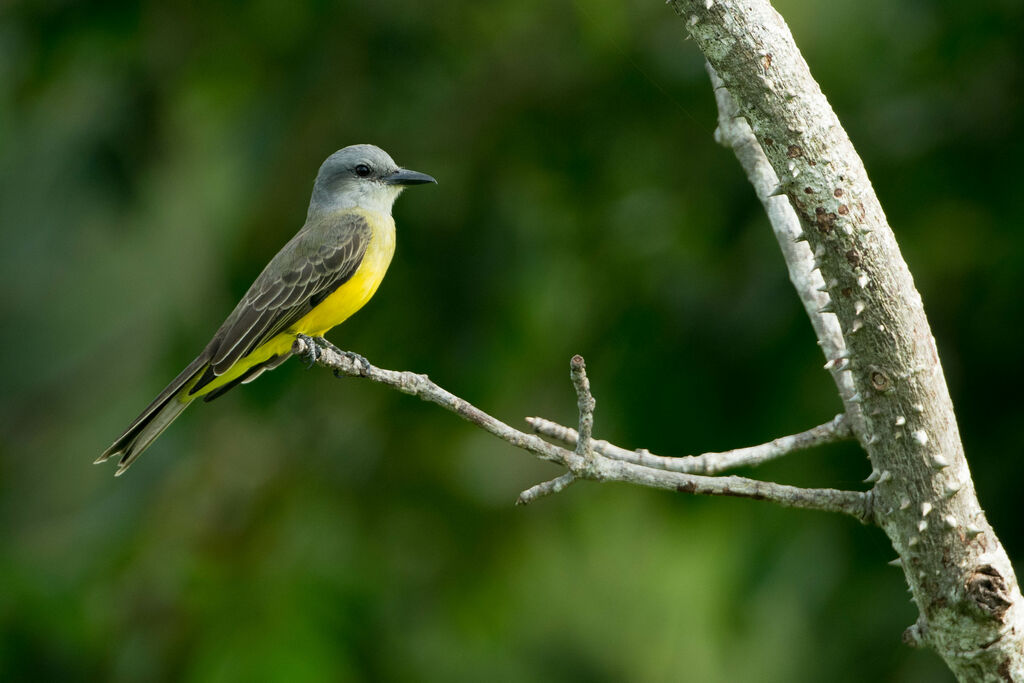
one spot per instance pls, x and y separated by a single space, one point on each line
404 176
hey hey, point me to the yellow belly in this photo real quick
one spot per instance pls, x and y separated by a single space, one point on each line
354 294
332 311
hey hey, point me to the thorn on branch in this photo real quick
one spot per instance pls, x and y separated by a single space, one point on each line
914 635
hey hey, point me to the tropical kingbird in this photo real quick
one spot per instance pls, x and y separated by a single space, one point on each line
325 273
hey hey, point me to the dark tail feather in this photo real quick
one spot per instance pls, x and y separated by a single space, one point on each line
144 430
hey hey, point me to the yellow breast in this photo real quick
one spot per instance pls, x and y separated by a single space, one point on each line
354 294
335 309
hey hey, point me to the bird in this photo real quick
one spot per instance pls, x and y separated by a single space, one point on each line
325 273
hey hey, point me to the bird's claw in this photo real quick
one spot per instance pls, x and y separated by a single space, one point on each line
314 350
312 353
322 341
360 360
355 359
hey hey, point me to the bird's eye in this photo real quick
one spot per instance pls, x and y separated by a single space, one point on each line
362 170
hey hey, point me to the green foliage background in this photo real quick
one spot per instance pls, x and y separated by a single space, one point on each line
154 155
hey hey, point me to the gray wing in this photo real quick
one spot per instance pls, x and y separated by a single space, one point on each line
318 260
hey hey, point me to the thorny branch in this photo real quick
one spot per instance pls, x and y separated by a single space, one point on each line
594 466
888 371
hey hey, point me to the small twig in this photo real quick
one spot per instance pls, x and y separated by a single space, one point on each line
585 403
556 485
853 503
836 429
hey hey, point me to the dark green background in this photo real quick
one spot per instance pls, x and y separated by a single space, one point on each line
154 156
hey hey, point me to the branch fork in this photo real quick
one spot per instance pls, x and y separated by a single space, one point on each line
601 461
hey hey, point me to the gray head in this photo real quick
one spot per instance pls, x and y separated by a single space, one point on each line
364 176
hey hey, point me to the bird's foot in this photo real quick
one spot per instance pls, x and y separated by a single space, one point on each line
312 353
314 349
361 360
355 359
324 343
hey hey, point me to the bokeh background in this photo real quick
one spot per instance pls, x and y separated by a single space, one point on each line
153 156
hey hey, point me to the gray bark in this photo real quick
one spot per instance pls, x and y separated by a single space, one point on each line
923 496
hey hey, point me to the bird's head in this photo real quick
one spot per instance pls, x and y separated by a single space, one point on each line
364 176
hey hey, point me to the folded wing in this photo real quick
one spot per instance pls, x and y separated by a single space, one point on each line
318 260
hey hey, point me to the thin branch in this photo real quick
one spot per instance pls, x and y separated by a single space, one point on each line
734 132
854 503
547 488
836 429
